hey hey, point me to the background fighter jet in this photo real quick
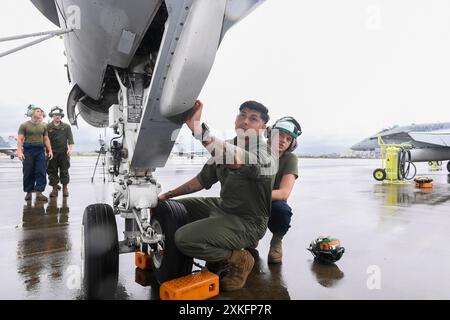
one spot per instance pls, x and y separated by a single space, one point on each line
8 147
430 142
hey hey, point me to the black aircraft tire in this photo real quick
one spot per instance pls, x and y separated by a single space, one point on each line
379 174
100 252
448 166
169 264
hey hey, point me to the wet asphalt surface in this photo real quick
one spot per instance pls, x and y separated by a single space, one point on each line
396 236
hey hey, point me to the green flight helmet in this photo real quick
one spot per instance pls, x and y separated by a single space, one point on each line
290 126
326 249
31 109
55 111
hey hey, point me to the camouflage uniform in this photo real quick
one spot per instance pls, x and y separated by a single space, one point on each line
60 137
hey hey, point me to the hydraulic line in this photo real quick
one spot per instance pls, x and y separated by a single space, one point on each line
404 165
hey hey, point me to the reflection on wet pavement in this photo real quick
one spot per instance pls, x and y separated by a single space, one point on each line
407 195
146 278
41 242
327 275
44 242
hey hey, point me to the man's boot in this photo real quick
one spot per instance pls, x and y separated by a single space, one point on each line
41 197
54 192
28 196
276 250
241 264
65 191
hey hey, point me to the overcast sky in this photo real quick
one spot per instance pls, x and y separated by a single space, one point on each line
344 68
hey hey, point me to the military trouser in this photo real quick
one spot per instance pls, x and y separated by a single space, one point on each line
211 234
280 218
61 162
34 166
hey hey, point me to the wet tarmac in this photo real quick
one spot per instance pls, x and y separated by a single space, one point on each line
395 236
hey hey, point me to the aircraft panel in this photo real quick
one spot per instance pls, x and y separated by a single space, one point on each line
439 139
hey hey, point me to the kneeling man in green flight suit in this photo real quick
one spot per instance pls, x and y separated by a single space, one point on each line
219 229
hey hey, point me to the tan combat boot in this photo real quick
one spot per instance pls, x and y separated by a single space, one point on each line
28 196
241 264
54 192
41 197
65 191
275 252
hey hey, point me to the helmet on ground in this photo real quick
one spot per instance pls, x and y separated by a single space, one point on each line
56 111
326 249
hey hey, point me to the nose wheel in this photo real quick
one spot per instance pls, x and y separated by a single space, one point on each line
100 252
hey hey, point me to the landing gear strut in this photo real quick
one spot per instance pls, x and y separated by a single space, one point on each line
135 193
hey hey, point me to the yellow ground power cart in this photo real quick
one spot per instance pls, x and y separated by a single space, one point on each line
396 163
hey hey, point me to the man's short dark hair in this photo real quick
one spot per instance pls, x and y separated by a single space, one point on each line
253 105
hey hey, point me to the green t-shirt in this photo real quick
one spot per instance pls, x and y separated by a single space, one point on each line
246 191
34 132
60 136
288 164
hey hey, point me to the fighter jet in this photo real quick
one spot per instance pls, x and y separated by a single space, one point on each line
430 142
8 147
137 66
